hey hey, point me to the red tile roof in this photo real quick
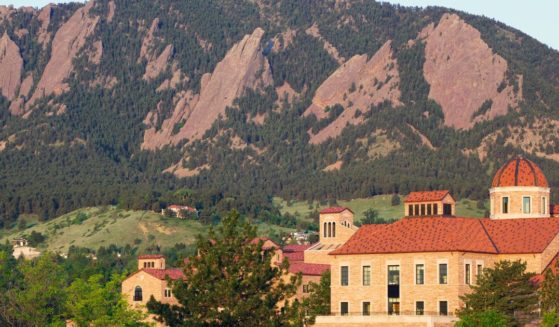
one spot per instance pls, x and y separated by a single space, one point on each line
296 247
335 210
519 171
424 196
453 234
151 256
173 273
294 256
309 269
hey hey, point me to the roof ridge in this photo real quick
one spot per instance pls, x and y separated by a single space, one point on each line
488 236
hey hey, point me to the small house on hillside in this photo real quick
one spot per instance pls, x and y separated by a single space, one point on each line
22 249
181 211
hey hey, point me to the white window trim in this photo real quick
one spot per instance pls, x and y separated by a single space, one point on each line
470 262
348 307
447 306
415 307
531 202
415 263
364 264
439 262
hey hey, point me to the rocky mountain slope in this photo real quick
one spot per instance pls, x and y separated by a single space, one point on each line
111 100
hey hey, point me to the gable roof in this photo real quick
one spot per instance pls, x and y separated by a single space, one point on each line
435 234
423 196
335 210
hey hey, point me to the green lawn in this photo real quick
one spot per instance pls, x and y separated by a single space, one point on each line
381 203
102 226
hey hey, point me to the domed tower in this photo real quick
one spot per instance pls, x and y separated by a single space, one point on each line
519 190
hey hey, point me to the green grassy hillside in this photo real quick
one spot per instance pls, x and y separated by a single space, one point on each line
381 203
102 226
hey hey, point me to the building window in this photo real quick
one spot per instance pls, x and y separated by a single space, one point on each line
505 205
443 273
344 275
329 229
526 204
435 209
324 229
420 274
138 293
366 275
393 275
145 264
420 308
366 308
417 209
429 209
344 308
305 288
479 270
167 292
467 273
423 210
393 306
333 229
410 210
544 205
443 308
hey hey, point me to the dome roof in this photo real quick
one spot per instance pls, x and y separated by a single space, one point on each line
519 171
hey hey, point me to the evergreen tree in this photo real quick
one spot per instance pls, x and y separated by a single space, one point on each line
550 291
506 289
231 282
318 302
488 318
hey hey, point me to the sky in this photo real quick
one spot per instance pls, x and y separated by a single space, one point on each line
537 18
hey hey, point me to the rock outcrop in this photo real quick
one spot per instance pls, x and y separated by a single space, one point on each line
464 72
11 67
68 41
44 18
358 84
157 66
244 66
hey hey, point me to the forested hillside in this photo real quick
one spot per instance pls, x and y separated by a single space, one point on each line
123 103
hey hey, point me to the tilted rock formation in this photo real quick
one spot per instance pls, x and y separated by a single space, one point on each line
44 18
463 73
147 42
244 66
68 41
157 66
357 84
11 66
112 9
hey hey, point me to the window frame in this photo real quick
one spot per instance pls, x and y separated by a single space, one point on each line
422 309
388 274
467 273
505 204
136 297
342 275
366 281
440 311
544 205
368 313
341 308
417 265
439 276
529 198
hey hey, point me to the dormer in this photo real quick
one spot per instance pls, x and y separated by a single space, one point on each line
336 225
429 204
151 261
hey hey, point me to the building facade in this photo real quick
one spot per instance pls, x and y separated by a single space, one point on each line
413 272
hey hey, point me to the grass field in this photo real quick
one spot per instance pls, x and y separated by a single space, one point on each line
102 226
381 203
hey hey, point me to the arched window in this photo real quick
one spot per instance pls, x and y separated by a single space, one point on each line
333 229
324 229
329 229
138 294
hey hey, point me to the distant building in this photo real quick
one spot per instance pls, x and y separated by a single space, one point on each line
22 249
179 210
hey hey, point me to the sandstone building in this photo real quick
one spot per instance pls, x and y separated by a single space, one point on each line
412 272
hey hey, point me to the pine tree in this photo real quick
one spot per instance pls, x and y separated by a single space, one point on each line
506 289
231 282
550 291
318 302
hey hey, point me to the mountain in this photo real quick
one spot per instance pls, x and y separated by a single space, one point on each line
121 102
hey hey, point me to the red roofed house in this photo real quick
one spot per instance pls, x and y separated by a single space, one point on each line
150 280
413 272
179 210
